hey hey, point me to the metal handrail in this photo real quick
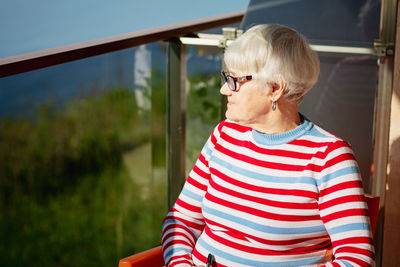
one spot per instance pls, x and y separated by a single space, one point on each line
54 56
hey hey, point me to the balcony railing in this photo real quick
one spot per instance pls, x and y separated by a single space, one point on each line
50 57
175 75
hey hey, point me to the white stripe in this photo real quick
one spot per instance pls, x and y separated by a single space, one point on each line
273 197
265 172
256 205
268 158
253 232
342 207
341 193
262 220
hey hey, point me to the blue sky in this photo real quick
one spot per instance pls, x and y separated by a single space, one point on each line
27 25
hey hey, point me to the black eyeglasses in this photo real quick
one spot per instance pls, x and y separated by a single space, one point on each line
233 80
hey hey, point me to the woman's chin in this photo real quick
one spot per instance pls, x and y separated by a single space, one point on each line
231 117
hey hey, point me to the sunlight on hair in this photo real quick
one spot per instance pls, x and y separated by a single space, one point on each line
273 53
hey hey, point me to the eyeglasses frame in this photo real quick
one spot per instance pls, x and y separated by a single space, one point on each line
235 79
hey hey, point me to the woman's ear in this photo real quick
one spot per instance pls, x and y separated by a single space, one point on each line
277 90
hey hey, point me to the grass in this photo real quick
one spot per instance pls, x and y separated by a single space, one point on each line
77 188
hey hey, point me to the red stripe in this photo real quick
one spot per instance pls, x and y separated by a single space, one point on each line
352 240
219 129
344 213
175 234
188 206
200 173
341 200
189 224
334 264
199 256
174 226
338 159
272 152
264 251
221 125
179 260
335 145
262 189
360 262
265 201
176 242
260 213
245 236
196 184
203 160
356 250
257 162
237 127
341 186
310 144
184 261
203 258
213 140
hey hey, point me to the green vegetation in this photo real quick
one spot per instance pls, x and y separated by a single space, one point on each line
74 191
80 186
203 113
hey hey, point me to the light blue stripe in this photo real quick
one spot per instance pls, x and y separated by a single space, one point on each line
171 221
264 228
348 227
346 263
207 148
192 195
249 262
338 173
264 177
316 133
175 250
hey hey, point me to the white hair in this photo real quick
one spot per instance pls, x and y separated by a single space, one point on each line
275 54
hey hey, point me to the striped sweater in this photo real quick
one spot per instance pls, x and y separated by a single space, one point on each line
254 199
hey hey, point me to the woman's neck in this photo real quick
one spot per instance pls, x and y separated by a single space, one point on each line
285 118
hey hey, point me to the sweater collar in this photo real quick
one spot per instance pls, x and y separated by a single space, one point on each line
283 138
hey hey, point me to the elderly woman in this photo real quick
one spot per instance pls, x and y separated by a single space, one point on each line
270 188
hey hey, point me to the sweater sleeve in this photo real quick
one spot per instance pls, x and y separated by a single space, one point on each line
184 222
343 209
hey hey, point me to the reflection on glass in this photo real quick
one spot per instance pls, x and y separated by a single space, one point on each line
77 180
330 22
342 102
343 99
203 98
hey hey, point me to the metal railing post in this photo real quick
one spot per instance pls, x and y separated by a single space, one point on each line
382 112
176 98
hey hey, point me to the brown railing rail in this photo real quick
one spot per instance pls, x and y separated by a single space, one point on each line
53 56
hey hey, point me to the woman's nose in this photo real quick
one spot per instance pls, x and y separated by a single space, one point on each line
225 90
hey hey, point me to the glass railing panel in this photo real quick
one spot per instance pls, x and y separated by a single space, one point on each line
352 23
203 107
343 99
342 102
79 180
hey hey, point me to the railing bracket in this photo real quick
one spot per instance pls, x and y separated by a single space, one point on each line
383 49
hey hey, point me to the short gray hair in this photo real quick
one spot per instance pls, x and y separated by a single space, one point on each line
275 53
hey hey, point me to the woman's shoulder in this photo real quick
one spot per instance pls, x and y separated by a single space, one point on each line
319 135
228 125
227 129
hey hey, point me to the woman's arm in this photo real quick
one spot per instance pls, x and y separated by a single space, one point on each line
343 208
184 222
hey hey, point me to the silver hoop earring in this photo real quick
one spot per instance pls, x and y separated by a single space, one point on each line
273 105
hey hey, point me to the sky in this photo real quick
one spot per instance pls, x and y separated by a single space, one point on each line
27 26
